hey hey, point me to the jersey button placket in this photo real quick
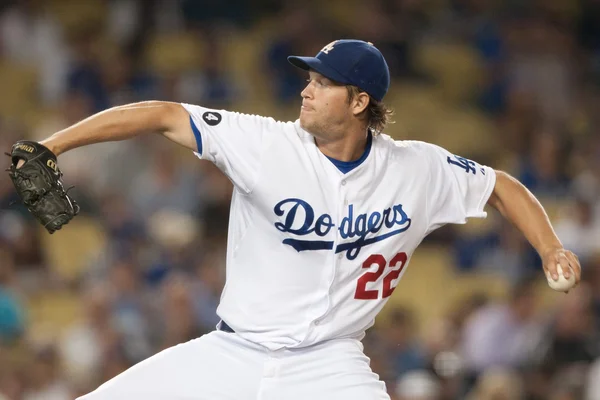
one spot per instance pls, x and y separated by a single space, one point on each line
344 208
341 212
344 197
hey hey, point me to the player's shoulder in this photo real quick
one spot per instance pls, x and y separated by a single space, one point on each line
407 148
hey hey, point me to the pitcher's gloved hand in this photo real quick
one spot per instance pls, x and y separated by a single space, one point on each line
38 184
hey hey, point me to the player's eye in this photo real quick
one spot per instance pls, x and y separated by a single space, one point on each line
318 82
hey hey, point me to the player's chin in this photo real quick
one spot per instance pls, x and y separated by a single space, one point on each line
305 122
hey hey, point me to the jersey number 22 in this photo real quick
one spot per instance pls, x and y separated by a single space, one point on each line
396 264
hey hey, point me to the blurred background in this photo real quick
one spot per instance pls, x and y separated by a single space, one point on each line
514 84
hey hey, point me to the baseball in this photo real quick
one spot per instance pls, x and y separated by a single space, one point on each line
562 284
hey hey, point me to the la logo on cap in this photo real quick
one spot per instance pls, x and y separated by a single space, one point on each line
329 47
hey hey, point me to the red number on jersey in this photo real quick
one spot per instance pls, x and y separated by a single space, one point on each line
388 289
362 293
361 288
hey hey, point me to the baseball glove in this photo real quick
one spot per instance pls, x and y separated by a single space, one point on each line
38 185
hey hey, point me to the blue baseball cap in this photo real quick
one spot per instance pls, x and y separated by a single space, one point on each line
350 62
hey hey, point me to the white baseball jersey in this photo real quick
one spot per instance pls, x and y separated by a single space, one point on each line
315 253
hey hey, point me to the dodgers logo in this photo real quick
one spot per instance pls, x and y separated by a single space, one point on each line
299 220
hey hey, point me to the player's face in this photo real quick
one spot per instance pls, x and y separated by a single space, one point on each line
325 109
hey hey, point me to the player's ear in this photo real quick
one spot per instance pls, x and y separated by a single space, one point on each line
360 103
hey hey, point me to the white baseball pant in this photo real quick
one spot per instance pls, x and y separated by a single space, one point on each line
223 366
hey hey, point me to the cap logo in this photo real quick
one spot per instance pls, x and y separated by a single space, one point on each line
329 47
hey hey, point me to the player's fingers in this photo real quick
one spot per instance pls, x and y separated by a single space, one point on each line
575 265
564 263
550 266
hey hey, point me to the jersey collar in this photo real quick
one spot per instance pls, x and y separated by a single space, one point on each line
347 166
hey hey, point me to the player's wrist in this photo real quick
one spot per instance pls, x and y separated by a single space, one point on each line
51 145
550 249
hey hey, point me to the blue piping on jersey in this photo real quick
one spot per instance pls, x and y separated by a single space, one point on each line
196 135
347 166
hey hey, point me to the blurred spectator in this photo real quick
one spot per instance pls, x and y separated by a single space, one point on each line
31 36
115 362
85 75
400 338
124 76
511 257
177 236
211 86
125 19
418 385
572 338
543 171
45 382
503 335
456 319
498 384
568 383
593 277
85 344
12 313
588 30
109 75
12 383
211 11
179 325
540 66
166 184
593 381
489 40
129 310
394 25
207 287
300 34
396 346
499 250
579 228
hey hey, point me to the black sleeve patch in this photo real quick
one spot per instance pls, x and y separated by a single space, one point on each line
212 118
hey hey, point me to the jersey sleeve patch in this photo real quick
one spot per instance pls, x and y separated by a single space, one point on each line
464 163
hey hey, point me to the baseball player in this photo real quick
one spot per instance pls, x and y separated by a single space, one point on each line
325 216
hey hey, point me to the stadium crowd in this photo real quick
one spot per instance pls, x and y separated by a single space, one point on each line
513 84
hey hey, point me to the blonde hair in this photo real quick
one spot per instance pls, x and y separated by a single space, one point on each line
377 113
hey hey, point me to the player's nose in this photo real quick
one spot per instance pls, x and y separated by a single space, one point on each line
307 92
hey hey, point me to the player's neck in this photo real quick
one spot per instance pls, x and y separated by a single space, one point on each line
349 148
